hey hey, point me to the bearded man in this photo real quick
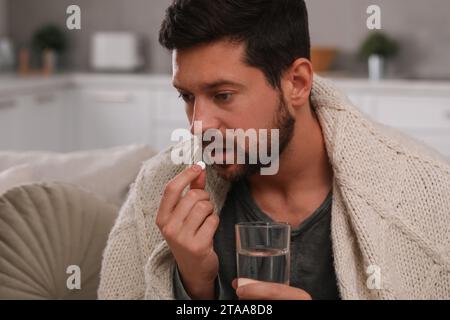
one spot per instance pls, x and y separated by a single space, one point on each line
359 197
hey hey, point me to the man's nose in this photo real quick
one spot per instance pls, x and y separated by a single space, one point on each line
204 116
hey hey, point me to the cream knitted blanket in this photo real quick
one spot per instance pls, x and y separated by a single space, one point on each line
390 215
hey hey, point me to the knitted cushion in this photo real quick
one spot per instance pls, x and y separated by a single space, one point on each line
44 229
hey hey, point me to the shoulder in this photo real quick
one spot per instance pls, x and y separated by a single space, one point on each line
418 156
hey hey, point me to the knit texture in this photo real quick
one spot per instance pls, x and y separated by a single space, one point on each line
390 214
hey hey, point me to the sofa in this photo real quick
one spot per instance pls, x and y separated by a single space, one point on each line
56 212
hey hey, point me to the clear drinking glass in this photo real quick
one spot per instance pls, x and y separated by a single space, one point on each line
262 250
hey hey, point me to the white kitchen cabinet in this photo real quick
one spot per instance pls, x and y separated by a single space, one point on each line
117 110
42 121
439 142
420 110
163 133
9 119
425 118
91 111
363 103
413 112
32 121
105 118
168 114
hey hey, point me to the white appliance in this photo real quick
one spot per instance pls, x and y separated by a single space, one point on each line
115 51
6 55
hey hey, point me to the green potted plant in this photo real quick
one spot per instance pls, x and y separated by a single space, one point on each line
377 48
51 41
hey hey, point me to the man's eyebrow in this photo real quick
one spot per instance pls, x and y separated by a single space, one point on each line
220 83
212 85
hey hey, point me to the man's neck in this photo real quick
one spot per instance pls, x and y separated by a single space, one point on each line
304 178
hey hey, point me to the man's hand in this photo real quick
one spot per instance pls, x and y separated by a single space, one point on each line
188 224
259 290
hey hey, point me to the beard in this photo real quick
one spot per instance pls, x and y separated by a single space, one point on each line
283 121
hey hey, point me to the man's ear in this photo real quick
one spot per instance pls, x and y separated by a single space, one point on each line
298 82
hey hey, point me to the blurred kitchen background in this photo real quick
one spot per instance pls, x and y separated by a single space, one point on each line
108 84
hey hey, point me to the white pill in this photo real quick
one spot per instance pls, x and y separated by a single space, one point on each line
201 164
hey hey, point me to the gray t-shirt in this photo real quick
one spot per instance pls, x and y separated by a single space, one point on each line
311 251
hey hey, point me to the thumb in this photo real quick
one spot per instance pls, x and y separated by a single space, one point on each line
200 181
234 283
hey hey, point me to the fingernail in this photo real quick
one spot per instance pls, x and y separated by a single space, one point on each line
245 281
201 164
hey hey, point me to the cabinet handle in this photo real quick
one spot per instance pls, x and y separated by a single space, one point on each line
447 114
43 99
113 97
7 104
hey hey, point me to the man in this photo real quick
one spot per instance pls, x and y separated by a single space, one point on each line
369 209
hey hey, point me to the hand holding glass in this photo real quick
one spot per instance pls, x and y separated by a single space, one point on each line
262 250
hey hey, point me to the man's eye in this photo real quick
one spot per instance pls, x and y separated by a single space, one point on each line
224 97
186 97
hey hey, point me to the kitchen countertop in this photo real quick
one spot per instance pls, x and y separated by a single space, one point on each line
13 84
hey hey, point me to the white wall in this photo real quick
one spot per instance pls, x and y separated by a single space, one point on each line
142 17
422 28
3 18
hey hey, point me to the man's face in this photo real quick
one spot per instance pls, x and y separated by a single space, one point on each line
222 92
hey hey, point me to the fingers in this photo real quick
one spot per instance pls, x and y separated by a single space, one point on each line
199 182
205 234
234 283
197 216
175 187
237 282
187 204
270 291
258 291
173 192
245 281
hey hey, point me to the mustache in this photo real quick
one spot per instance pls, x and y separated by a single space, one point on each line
225 146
